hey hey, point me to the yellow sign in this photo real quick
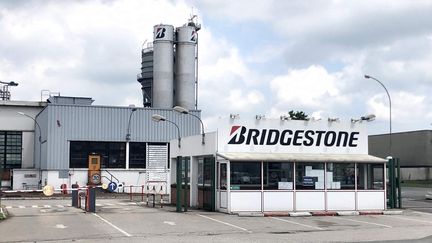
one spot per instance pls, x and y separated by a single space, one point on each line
48 190
104 186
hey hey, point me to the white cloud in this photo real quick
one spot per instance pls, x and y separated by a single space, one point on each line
307 88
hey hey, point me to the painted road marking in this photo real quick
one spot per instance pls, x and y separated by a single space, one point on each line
60 206
225 223
35 206
292 222
364 222
123 204
99 205
132 203
47 206
169 222
21 207
60 226
8 207
417 220
112 225
109 204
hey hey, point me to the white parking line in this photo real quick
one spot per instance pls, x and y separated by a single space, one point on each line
35 206
364 222
292 222
417 220
112 225
225 223
21 206
8 207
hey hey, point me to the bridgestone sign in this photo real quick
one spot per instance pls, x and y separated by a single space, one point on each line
293 137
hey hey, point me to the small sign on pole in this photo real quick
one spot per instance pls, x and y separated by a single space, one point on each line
112 186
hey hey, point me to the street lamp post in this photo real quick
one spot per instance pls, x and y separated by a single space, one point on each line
388 95
158 118
128 127
128 137
40 145
182 110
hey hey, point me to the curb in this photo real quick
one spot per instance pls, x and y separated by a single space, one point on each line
324 213
250 214
393 212
300 214
371 213
348 213
318 213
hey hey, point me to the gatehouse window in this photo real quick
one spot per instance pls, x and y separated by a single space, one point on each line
245 175
278 176
340 176
309 176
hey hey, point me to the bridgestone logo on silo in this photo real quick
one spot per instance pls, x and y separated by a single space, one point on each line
243 135
160 33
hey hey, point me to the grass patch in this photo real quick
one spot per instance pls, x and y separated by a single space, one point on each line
419 183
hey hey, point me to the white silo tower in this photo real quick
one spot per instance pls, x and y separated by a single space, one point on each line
185 70
163 66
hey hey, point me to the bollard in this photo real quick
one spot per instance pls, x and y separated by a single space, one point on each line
75 198
142 193
91 200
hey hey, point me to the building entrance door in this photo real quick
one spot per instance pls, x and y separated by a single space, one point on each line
207 190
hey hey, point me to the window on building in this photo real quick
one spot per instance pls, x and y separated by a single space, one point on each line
245 175
370 176
137 155
113 154
340 176
10 149
278 176
310 176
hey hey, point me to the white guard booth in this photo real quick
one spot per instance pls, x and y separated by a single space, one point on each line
272 165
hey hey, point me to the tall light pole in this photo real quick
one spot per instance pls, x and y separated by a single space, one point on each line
388 95
182 110
128 135
40 145
129 122
158 118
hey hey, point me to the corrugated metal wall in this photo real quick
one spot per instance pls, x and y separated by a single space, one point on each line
65 123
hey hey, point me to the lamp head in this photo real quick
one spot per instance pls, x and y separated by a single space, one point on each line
180 109
12 83
158 118
370 117
134 109
367 76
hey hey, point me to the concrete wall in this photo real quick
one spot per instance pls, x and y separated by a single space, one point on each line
422 173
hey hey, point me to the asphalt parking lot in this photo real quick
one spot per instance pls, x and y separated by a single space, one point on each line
120 220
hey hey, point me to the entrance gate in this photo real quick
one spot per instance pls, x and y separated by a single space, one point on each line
208 186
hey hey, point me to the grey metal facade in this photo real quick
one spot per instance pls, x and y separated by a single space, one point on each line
414 149
61 124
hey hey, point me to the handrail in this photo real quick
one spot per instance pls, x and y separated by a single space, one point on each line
112 176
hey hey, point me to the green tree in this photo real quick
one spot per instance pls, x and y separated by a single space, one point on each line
297 115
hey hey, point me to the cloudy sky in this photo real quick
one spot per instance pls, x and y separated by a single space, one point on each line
255 56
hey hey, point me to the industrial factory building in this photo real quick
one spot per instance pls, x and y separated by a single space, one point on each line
413 148
68 140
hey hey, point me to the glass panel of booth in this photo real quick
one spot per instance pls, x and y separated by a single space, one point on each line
310 176
370 176
278 175
246 175
340 176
